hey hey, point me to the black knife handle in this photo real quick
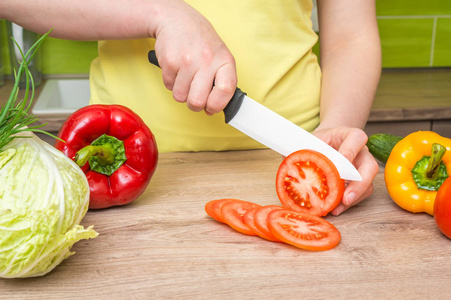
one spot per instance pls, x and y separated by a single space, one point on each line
232 107
152 56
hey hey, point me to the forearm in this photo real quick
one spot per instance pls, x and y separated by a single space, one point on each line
350 78
351 65
90 20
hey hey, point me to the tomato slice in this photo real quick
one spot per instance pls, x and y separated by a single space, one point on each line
213 208
261 222
233 211
308 181
248 219
209 209
303 230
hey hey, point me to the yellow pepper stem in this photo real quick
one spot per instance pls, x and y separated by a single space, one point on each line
437 153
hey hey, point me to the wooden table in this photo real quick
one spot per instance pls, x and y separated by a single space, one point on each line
164 246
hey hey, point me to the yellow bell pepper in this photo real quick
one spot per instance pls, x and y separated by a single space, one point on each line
415 169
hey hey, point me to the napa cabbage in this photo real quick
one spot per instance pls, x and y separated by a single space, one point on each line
43 197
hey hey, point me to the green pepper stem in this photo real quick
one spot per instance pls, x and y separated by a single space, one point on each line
105 153
437 153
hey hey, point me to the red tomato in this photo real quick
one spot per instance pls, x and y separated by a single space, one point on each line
308 181
232 212
442 208
303 230
261 222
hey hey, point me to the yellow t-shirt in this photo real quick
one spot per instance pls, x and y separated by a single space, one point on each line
272 44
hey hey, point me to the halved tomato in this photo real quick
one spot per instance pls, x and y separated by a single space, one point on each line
260 220
232 213
303 230
308 181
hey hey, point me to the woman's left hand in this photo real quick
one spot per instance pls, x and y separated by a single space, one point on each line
351 142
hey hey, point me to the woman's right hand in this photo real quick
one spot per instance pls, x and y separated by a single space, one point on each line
196 64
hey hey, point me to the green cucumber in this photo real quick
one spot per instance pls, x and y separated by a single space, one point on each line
381 144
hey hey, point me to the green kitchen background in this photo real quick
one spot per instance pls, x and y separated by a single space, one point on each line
414 34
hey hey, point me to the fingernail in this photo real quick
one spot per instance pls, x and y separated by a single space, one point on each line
350 198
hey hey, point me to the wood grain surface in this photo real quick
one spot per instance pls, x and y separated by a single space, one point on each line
164 246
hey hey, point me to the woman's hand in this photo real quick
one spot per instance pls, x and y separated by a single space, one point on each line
351 142
196 64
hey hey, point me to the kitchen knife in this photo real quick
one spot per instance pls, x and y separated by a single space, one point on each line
276 132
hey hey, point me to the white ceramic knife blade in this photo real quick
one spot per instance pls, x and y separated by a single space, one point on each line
283 136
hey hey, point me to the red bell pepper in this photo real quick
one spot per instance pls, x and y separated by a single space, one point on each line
115 149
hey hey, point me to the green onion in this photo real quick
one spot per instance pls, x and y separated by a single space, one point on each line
15 115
